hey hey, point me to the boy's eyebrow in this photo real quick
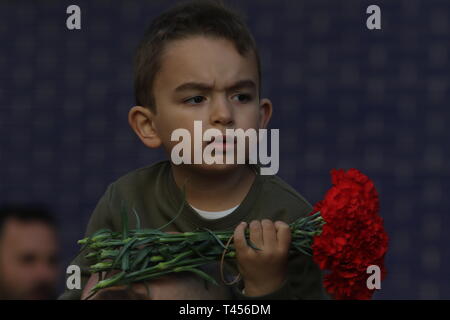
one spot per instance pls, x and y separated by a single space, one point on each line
246 83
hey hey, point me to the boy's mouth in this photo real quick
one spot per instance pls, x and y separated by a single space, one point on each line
223 142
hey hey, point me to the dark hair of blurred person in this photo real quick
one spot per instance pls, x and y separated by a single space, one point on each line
123 293
28 253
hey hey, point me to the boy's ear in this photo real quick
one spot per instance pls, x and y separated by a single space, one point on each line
141 119
265 112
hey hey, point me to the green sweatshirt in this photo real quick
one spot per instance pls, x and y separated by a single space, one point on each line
152 191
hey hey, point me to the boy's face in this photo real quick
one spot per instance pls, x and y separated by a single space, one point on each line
204 78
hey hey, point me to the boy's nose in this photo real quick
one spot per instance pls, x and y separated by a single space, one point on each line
221 112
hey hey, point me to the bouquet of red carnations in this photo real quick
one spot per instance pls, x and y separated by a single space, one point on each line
353 237
343 233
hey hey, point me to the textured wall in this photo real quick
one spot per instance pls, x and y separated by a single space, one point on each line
344 97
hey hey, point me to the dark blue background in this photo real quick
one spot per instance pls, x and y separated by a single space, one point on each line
343 97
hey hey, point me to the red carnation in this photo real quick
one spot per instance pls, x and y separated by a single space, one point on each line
353 237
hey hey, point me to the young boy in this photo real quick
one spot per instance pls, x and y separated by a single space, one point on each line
199 62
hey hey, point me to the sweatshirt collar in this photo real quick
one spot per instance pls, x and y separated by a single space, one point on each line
231 220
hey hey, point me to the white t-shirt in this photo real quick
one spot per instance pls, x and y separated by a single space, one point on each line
214 214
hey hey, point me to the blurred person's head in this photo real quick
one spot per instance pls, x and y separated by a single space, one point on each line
28 253
175 286
133 292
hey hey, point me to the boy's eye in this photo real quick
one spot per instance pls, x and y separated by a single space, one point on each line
243 98
195 100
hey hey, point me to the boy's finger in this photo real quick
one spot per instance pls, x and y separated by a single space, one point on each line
239 237
283 235
269 234
256 234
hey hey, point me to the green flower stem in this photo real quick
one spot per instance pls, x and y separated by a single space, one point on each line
149 253
177 258
154 275
109 282
156 258
150 272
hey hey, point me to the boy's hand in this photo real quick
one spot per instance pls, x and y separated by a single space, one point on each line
179 286
263 271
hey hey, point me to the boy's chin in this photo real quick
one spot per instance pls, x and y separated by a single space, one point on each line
214 168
